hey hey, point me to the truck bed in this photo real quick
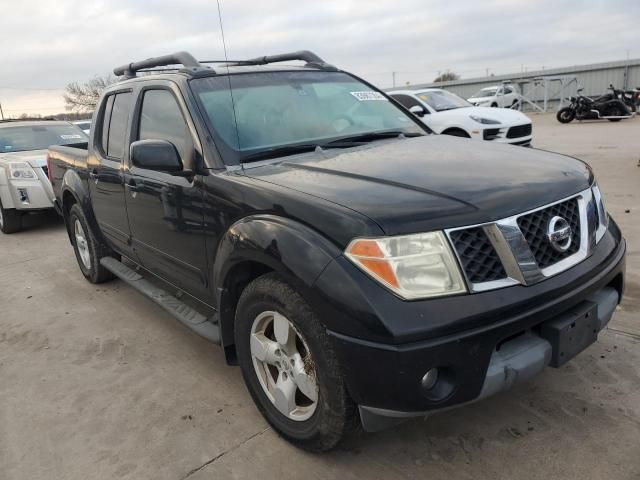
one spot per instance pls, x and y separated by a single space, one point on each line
60 159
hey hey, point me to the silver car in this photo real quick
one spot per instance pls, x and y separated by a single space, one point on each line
24 181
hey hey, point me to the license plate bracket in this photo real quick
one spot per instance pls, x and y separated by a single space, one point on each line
571 332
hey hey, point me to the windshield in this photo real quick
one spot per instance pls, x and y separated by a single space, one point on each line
441 100
277 109
39 137
486 92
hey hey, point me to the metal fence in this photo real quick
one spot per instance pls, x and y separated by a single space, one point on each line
536 86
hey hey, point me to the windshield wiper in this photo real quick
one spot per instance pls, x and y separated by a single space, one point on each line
370 137
282 151
345 142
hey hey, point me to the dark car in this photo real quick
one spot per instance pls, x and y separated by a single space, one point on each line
347 259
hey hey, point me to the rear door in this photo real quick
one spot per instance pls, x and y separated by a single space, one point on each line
105 164
166 211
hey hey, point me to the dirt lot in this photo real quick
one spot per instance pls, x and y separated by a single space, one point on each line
98 383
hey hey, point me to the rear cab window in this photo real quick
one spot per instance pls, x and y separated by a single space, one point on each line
114 124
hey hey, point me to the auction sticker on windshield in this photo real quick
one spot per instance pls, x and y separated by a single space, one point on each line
69 137
368 96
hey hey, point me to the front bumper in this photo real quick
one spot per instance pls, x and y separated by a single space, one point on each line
476 356
32 194
516 361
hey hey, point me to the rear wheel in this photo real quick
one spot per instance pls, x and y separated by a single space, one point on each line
289 365
566 115
88 249
494 104
10 220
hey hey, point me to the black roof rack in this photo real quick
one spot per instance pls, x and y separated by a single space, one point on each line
193 66
179 58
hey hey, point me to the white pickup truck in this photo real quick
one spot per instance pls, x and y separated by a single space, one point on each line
24 182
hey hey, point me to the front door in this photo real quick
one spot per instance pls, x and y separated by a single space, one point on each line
106 176
166 211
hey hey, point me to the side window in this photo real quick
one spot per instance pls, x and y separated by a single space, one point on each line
105 123
161 119
118 125
406 101
508 90
114 124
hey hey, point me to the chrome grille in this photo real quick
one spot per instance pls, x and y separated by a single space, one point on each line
477 256
534 228
517 249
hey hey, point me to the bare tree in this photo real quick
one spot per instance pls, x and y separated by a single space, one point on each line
446 76
83 97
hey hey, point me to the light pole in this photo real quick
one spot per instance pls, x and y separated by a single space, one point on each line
1 112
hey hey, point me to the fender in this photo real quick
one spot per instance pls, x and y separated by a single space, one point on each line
277 243
73 184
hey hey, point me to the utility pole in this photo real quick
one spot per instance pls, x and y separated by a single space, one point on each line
1 112
393 75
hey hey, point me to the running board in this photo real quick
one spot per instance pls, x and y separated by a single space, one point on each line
203 326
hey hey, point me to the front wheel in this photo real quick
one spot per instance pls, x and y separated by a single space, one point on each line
289 365
10 220
566 115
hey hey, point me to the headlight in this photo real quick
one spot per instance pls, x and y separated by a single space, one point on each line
21 170
412 266
484 121
603 217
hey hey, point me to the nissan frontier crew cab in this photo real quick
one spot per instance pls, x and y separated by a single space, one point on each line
354 265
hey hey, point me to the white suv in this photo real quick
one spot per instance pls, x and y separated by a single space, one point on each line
446 113
496 96
24 181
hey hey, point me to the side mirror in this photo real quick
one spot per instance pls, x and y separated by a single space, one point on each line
160 155
418 111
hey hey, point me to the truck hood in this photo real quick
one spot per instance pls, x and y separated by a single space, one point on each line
505 116
35 158
432 182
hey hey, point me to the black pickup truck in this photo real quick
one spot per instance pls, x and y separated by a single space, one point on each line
352 263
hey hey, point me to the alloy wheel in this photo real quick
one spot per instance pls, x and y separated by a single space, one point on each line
283 364
82 245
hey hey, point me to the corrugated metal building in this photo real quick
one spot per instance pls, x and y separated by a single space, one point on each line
594 78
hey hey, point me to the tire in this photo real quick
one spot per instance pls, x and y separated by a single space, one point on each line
565 115
457 133
616 111
494 105
10 220
87 248
312 426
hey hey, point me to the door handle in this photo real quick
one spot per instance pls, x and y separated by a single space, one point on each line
132 186
93 175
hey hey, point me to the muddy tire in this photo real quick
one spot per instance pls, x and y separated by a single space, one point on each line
290 367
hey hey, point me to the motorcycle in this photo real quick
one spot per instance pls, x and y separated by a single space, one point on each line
607 106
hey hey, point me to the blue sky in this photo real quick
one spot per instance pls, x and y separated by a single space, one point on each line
45 45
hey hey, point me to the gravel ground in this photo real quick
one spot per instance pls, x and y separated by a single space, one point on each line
97 382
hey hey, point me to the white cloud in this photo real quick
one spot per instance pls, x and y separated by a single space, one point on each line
46 45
